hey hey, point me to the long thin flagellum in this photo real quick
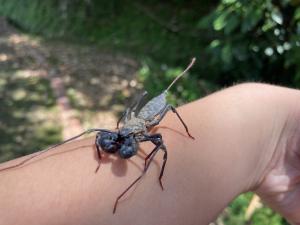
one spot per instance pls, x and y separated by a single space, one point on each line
180 75
49 148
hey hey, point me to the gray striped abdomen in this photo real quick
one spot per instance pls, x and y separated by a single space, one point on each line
153 107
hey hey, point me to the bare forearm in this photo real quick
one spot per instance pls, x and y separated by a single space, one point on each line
229 155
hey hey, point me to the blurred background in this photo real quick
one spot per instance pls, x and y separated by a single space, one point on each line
67 65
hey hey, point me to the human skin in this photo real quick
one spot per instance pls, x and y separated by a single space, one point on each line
246 139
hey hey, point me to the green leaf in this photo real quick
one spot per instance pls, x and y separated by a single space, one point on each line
229 1
277 16
268 25
206 21
214 43
297 14
226 54
220 22
252 17
232 23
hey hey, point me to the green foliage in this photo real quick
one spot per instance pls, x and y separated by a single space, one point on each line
255 40
235 213
117 25
30 15
153 33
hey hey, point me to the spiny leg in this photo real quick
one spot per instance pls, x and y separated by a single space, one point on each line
183 123
162 115
152 155
148 156
124 114
98 154
156 139
165 158
131 108
138 102
54 146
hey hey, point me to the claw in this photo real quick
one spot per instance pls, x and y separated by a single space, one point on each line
97 168
161 185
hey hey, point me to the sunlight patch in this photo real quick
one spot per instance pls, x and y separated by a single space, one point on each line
31 73
4 57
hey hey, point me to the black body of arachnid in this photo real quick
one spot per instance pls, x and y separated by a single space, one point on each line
137 123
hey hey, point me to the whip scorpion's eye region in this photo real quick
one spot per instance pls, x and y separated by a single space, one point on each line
108 142
128 148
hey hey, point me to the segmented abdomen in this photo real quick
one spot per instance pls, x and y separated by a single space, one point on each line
134 125
153 107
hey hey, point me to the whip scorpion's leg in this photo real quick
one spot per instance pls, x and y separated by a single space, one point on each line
132 108
98 154
162 115
54 146
157 140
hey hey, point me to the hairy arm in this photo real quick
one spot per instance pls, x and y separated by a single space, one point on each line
239 132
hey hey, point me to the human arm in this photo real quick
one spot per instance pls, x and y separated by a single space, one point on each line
238 131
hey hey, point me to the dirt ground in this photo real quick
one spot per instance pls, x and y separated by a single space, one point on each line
91 86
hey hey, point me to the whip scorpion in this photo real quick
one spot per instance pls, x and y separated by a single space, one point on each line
137 123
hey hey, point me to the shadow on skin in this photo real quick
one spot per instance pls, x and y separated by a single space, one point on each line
119 166
38 156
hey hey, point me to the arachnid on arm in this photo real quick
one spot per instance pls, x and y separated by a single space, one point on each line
137 122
